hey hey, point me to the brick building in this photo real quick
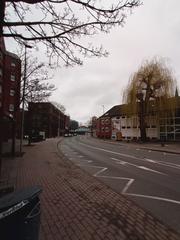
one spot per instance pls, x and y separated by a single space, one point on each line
10 77
104 124
45 117
116 122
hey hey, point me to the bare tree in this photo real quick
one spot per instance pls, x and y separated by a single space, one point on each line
59 106
37 87
150 90
60 24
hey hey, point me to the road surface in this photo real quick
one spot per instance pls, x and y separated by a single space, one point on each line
150 178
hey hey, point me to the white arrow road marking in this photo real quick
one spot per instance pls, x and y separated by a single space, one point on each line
118 161
153 197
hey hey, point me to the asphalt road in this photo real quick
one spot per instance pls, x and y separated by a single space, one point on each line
150 178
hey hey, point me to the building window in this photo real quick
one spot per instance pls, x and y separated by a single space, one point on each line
13 64
0 89
12 77
106 129
107 121
11 107
0 72
12 92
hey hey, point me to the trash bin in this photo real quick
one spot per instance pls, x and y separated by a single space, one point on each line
20 214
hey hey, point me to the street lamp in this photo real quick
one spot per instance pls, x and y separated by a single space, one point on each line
23 95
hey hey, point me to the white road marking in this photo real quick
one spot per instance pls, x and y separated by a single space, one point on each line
133 157
150 160
130 180
167 164
105 150
127 186
137 166
153 197
102 170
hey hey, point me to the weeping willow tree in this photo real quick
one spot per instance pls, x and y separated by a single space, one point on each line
150 91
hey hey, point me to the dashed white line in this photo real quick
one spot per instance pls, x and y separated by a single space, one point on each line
118 161
133 157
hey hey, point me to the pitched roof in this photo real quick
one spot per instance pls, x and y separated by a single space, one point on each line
114 111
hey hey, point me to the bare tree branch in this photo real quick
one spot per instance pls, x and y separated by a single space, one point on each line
60 24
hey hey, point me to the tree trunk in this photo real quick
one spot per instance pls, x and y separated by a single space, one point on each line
142 122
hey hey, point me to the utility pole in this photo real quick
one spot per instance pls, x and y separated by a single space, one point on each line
23 96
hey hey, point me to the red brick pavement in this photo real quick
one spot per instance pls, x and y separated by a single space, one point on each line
76 205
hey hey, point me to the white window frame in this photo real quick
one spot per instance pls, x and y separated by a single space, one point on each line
13 64
13 77
11 107
12 92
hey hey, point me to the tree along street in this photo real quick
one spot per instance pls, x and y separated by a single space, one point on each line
149 178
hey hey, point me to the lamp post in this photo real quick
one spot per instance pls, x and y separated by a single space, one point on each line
104 128
23 95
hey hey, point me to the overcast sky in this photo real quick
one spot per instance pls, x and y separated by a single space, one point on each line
152 30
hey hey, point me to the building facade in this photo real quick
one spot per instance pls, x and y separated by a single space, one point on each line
10 78
45 117
104 127
116 124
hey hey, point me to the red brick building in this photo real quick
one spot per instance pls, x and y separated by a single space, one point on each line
45 117
104 124
10 77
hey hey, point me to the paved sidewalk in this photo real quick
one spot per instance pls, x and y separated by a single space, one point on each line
76 205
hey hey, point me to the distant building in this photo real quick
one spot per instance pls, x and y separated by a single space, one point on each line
93 126
45 117
116 124
82 130
104 123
